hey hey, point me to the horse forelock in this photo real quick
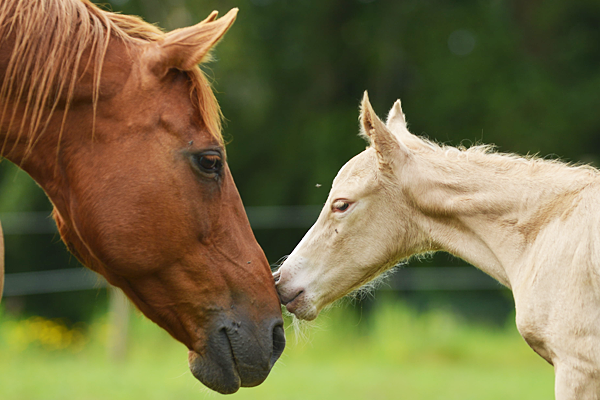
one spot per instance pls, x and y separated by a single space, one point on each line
51 39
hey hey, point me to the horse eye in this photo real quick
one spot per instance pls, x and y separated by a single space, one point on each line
209 163
340 206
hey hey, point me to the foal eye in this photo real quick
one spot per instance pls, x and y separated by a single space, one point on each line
208 162
340 206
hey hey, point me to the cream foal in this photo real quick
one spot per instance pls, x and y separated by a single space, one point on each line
533 225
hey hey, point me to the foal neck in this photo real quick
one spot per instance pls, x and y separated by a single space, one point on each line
488 208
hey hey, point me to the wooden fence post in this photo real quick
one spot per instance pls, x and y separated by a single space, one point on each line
1 262
119 310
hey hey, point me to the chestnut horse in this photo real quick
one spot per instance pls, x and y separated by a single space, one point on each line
530 223
116 122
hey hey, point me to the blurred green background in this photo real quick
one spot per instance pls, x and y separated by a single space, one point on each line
289 75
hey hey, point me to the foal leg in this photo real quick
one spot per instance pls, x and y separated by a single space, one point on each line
576 383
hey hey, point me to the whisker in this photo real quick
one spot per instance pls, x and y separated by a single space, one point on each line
278 263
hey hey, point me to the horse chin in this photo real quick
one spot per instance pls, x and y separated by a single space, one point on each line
233 357
217 373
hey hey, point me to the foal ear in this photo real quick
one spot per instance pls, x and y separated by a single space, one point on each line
396 121
386 144
186 47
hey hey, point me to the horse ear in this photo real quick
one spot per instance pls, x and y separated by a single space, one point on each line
396 121
382 139
186 47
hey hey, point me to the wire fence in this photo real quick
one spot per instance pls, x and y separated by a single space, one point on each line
261 217
425 278
406 279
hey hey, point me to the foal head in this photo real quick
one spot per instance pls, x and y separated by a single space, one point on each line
143 195
366 226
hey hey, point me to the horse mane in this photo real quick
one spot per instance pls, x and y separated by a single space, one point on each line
52 39
486 154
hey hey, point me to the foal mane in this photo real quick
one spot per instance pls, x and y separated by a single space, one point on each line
51 43
485 154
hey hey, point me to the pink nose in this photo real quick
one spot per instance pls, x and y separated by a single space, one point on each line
287 296
286 292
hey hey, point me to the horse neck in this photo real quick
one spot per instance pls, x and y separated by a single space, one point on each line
41 79
488 208
43 156
46 152
39 161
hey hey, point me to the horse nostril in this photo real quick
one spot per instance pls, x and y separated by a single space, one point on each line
278 343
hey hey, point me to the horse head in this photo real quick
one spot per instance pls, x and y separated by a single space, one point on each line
143 194
366 225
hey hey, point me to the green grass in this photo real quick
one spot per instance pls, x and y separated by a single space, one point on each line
394 354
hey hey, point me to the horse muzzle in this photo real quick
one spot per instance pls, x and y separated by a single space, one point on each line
235 356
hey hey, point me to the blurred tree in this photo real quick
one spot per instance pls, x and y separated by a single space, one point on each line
289 76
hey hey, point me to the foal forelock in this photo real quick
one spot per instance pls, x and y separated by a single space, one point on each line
51 39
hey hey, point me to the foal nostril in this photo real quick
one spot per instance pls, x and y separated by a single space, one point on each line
288 299
278 343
